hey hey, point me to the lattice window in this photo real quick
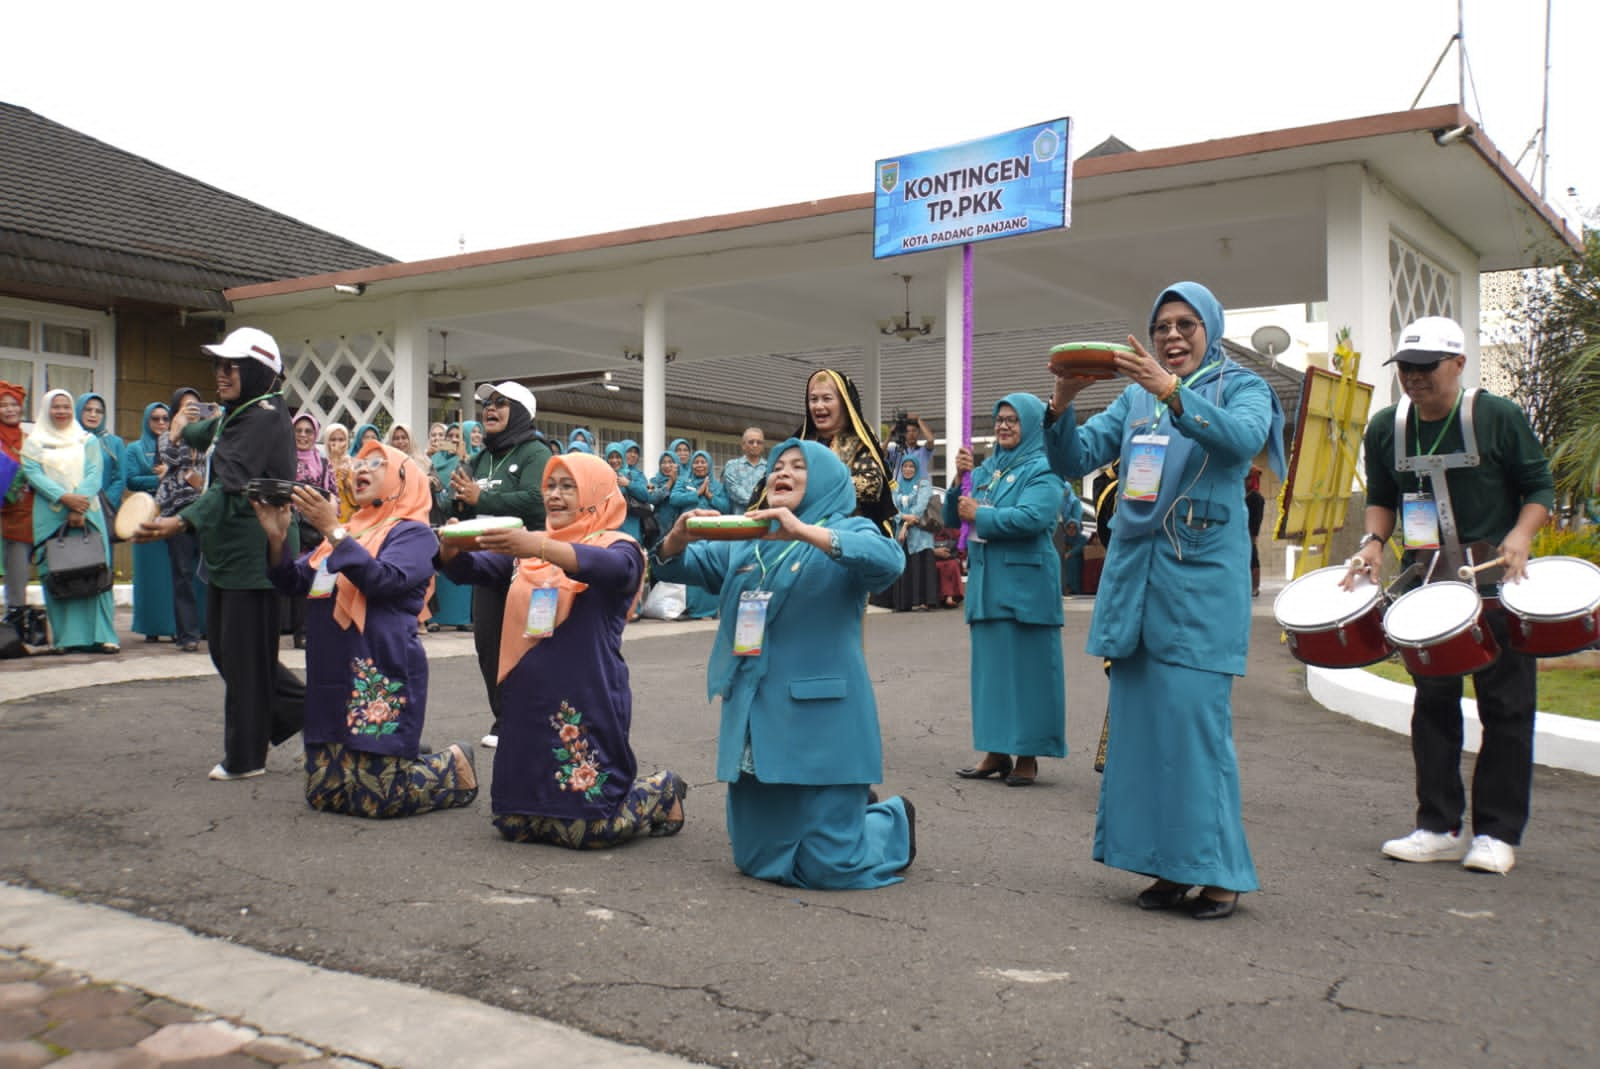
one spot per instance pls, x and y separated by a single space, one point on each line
1418 286
349 380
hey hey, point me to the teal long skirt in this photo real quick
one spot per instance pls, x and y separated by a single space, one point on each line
1169 800
1019 691
819 838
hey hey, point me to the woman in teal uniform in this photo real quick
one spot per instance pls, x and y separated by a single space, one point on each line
1019 702
799 746
153 614
1172 615
698 488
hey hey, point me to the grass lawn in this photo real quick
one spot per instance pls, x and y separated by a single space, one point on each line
1567 691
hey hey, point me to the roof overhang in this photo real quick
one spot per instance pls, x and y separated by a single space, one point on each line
1248 214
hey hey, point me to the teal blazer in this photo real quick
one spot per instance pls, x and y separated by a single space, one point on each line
1015 572
812 718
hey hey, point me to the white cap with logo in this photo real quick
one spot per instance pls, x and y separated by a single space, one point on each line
1429 340
248 343
514 391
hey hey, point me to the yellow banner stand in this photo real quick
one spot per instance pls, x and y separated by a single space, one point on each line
1324 465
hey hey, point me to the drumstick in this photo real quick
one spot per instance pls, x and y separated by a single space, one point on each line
1467 571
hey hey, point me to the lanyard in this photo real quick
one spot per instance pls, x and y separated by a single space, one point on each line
1161 406
787 550
1448 420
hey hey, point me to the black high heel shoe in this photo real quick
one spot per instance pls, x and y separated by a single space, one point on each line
1206 908
1163 895
1003 769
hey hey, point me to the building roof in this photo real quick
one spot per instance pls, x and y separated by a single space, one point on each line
81 220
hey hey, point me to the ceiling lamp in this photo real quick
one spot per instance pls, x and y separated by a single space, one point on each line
444 380
900 327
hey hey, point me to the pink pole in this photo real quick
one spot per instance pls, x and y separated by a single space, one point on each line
966 372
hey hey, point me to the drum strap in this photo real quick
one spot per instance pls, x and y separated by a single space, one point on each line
1434 466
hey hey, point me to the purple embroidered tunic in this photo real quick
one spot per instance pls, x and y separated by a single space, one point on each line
367 690
567 706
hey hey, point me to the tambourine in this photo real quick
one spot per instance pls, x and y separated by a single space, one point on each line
727 528
464 535
276 491
1088 359
137 508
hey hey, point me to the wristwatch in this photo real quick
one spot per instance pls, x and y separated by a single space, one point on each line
1369 538
337 535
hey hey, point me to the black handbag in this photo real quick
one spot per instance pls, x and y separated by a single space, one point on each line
75 565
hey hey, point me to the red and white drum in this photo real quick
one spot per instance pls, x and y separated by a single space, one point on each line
1439 630
1330 627
1556 609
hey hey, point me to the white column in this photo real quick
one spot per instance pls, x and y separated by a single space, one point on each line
653 421
1358 273
872 381
954 338
411 370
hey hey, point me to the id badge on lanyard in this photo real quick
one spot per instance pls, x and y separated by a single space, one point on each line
1419 521
541 622
1145 460
750 623
323 582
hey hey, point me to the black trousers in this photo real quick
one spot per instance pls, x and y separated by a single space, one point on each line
488 613
1502 779
183 551
264 703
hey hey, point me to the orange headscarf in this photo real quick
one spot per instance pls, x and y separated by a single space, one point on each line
601 510
404 495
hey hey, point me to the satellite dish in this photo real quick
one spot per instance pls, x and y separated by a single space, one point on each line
1270 340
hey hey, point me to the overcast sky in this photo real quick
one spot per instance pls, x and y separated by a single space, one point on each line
410 128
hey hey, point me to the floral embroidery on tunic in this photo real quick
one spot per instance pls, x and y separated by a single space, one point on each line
375 701
579 771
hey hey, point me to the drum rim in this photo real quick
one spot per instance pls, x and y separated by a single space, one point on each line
1445 636
1377 596
1549 618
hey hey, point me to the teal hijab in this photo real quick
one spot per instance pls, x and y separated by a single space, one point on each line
467 427
779 567
686 472
584 435
902 485
355 439
1006 471
1140 517
625 445
105 421
149 445
672 447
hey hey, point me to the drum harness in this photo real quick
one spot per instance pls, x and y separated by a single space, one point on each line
1434 466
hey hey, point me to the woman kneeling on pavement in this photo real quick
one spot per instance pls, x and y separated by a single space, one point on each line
366 672
799 746
564 771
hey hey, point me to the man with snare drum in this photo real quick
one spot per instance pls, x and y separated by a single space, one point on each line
1459 477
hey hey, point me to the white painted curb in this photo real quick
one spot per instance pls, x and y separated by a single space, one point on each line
1558 741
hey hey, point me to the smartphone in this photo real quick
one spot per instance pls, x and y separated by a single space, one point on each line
204 409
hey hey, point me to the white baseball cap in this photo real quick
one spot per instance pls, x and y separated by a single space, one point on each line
512 390
1429 340
248 343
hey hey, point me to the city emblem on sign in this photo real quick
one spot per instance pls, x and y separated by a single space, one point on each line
889 176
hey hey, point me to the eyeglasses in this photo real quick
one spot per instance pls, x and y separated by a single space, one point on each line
1420 369
497 402
1184 326
1007 421
368 464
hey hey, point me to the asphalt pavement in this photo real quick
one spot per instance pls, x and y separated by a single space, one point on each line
1005 946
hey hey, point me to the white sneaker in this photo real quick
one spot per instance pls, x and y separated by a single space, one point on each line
489 742
1422 845
1489 854
222 774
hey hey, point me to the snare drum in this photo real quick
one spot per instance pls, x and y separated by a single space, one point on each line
1440 631
1556 609
1330 627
